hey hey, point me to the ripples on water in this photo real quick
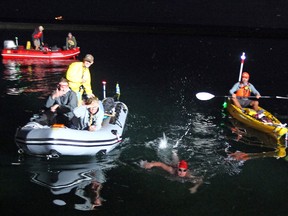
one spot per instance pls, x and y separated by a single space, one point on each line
201 142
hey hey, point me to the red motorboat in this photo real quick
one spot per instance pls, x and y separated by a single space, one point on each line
19 52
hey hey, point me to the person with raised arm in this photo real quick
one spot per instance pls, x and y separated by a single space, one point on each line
89 116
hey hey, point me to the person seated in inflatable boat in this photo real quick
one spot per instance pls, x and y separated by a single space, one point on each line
89 116
59 105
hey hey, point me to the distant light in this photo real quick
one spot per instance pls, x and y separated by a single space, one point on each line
104 82
59 18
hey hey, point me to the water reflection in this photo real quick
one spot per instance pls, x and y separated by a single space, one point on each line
73 183
269 146
33 76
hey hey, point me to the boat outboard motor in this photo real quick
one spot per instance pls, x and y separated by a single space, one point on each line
9 44
108 104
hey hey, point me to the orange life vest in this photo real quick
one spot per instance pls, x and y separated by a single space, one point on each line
244 90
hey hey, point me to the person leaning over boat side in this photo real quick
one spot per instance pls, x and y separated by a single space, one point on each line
242 90
37 37
61 103
70 41
89 116
79 77
180 169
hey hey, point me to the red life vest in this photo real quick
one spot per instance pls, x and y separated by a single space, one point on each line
244 90
37 35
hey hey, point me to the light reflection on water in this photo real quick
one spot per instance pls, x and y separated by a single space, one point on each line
72 183
31 76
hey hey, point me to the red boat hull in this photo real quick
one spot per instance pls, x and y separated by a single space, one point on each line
38 54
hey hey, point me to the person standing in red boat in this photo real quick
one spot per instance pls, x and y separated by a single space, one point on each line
37 37
242 90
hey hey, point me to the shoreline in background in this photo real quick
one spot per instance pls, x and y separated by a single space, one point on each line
223 31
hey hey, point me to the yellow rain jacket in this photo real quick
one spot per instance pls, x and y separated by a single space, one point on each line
75 75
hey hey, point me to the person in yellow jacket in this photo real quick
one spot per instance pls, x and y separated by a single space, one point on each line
79 77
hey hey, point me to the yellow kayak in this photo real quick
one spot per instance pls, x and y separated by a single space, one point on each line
264 122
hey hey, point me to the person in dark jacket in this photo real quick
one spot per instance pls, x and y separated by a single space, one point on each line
70 41
59 106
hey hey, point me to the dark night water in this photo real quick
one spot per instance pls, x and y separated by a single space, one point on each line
159 75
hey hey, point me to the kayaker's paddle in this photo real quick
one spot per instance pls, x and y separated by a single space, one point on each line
208 96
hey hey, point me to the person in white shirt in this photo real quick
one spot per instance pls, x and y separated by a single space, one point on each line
89 116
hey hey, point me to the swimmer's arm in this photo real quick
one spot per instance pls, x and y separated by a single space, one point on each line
165 167
197 181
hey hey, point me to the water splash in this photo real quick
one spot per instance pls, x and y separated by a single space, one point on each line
163 142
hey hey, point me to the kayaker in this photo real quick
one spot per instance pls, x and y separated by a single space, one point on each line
79 77
37 37
70 41
179 170
89 116
242 90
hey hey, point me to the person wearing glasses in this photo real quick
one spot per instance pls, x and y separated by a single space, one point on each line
242 90
180 170
79 78
89 116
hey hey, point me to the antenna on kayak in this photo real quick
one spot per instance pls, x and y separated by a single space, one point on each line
243 57
104 89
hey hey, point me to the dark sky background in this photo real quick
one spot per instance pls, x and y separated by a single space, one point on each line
245 13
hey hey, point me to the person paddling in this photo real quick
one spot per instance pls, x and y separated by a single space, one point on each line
242 90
